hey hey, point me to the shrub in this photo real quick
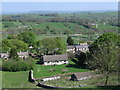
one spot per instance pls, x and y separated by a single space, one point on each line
20 65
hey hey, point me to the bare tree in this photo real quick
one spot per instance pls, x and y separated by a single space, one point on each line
105 59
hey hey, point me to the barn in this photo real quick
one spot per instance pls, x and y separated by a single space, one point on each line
81 76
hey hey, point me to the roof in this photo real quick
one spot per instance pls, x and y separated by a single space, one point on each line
81 46
4 55
82 74
23 54
55 57
77 46
70 47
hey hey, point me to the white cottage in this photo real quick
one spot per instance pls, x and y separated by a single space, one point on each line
55 59
75 48
82 48
4 55
23 54
71 48
20 54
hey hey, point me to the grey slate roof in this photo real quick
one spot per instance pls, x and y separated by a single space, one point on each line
55 57
82 74
2 55
70 47
81 46
77 46
23 54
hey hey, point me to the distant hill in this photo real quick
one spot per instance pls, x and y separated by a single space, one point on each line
36 12
44 12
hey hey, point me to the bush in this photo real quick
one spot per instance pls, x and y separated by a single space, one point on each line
21 65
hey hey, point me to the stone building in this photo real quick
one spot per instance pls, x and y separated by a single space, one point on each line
81 76
75 48
55 59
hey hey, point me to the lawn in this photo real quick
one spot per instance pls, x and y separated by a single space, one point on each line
16 80
44 71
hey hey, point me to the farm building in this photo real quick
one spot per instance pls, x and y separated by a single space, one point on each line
55 59
71 48
20 54
82 48
23 54
74 48
50 78
4 55
81 76
83 44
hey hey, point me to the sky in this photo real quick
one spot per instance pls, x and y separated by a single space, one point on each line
60 0
8 7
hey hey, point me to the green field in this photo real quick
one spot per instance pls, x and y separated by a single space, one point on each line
60 27
62 23
16 80
88 83
77 39
20 79
44 71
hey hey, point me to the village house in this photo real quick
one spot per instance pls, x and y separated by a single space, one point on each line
82 48
83 44
81 76
55 59
71 48
4 55
23 54
20 54
75 48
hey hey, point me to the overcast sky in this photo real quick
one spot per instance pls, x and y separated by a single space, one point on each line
57 6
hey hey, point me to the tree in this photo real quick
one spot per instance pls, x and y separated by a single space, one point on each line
81 58
20 65
13 53
27 36
104 54
11 36
53 45
66 32
60 46
7 44
70 41
48 27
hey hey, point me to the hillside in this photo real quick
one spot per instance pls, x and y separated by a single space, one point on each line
61 23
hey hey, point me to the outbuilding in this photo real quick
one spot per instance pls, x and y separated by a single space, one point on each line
81 76
51 78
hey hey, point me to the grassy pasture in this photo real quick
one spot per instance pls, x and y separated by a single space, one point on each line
60 27
20 79
76 39
44 71
16 80
11 24
89 83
